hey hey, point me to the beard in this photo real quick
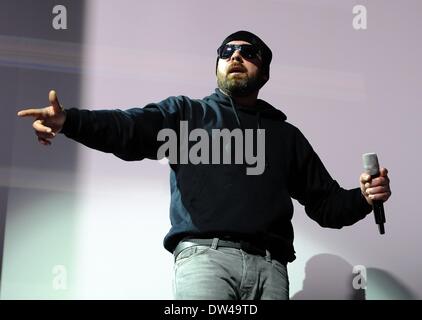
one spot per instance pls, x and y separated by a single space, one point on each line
238 84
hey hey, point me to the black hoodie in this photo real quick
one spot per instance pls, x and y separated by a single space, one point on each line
210 200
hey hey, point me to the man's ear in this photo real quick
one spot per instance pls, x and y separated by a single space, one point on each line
264 79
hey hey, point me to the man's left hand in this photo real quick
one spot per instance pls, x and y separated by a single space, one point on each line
376 188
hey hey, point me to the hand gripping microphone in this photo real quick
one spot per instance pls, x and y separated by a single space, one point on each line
371 166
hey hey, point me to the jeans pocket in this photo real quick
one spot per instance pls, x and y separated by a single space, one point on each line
189 253
281 268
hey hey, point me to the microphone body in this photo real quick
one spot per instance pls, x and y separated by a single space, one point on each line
371 166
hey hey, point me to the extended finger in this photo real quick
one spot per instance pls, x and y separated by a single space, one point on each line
54 100
31 112
39 127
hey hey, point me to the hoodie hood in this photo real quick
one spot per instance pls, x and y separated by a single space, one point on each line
262 109
262 106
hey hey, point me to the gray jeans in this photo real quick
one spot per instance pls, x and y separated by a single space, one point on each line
220 273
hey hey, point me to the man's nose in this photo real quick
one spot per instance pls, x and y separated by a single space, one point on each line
236 56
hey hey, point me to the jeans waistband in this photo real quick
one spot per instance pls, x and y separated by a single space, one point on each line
246 246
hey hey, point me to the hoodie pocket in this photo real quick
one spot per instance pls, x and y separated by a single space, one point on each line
207 192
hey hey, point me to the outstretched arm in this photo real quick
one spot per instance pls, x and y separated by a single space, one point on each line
129 134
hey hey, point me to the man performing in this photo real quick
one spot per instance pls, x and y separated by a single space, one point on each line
231 232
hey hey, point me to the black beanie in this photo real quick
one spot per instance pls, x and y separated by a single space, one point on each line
247 36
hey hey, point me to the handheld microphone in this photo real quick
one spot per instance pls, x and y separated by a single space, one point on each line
371 166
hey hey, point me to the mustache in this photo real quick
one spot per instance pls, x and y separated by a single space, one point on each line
236 67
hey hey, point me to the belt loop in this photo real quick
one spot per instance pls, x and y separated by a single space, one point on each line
214 243
267 256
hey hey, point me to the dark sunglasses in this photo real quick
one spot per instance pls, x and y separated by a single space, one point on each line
247 51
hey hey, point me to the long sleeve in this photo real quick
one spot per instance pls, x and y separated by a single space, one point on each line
324 200
128 134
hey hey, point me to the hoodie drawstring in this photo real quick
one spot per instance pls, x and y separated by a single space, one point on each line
258 121
238 118
235 113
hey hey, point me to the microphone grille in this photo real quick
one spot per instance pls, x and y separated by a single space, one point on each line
370 163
